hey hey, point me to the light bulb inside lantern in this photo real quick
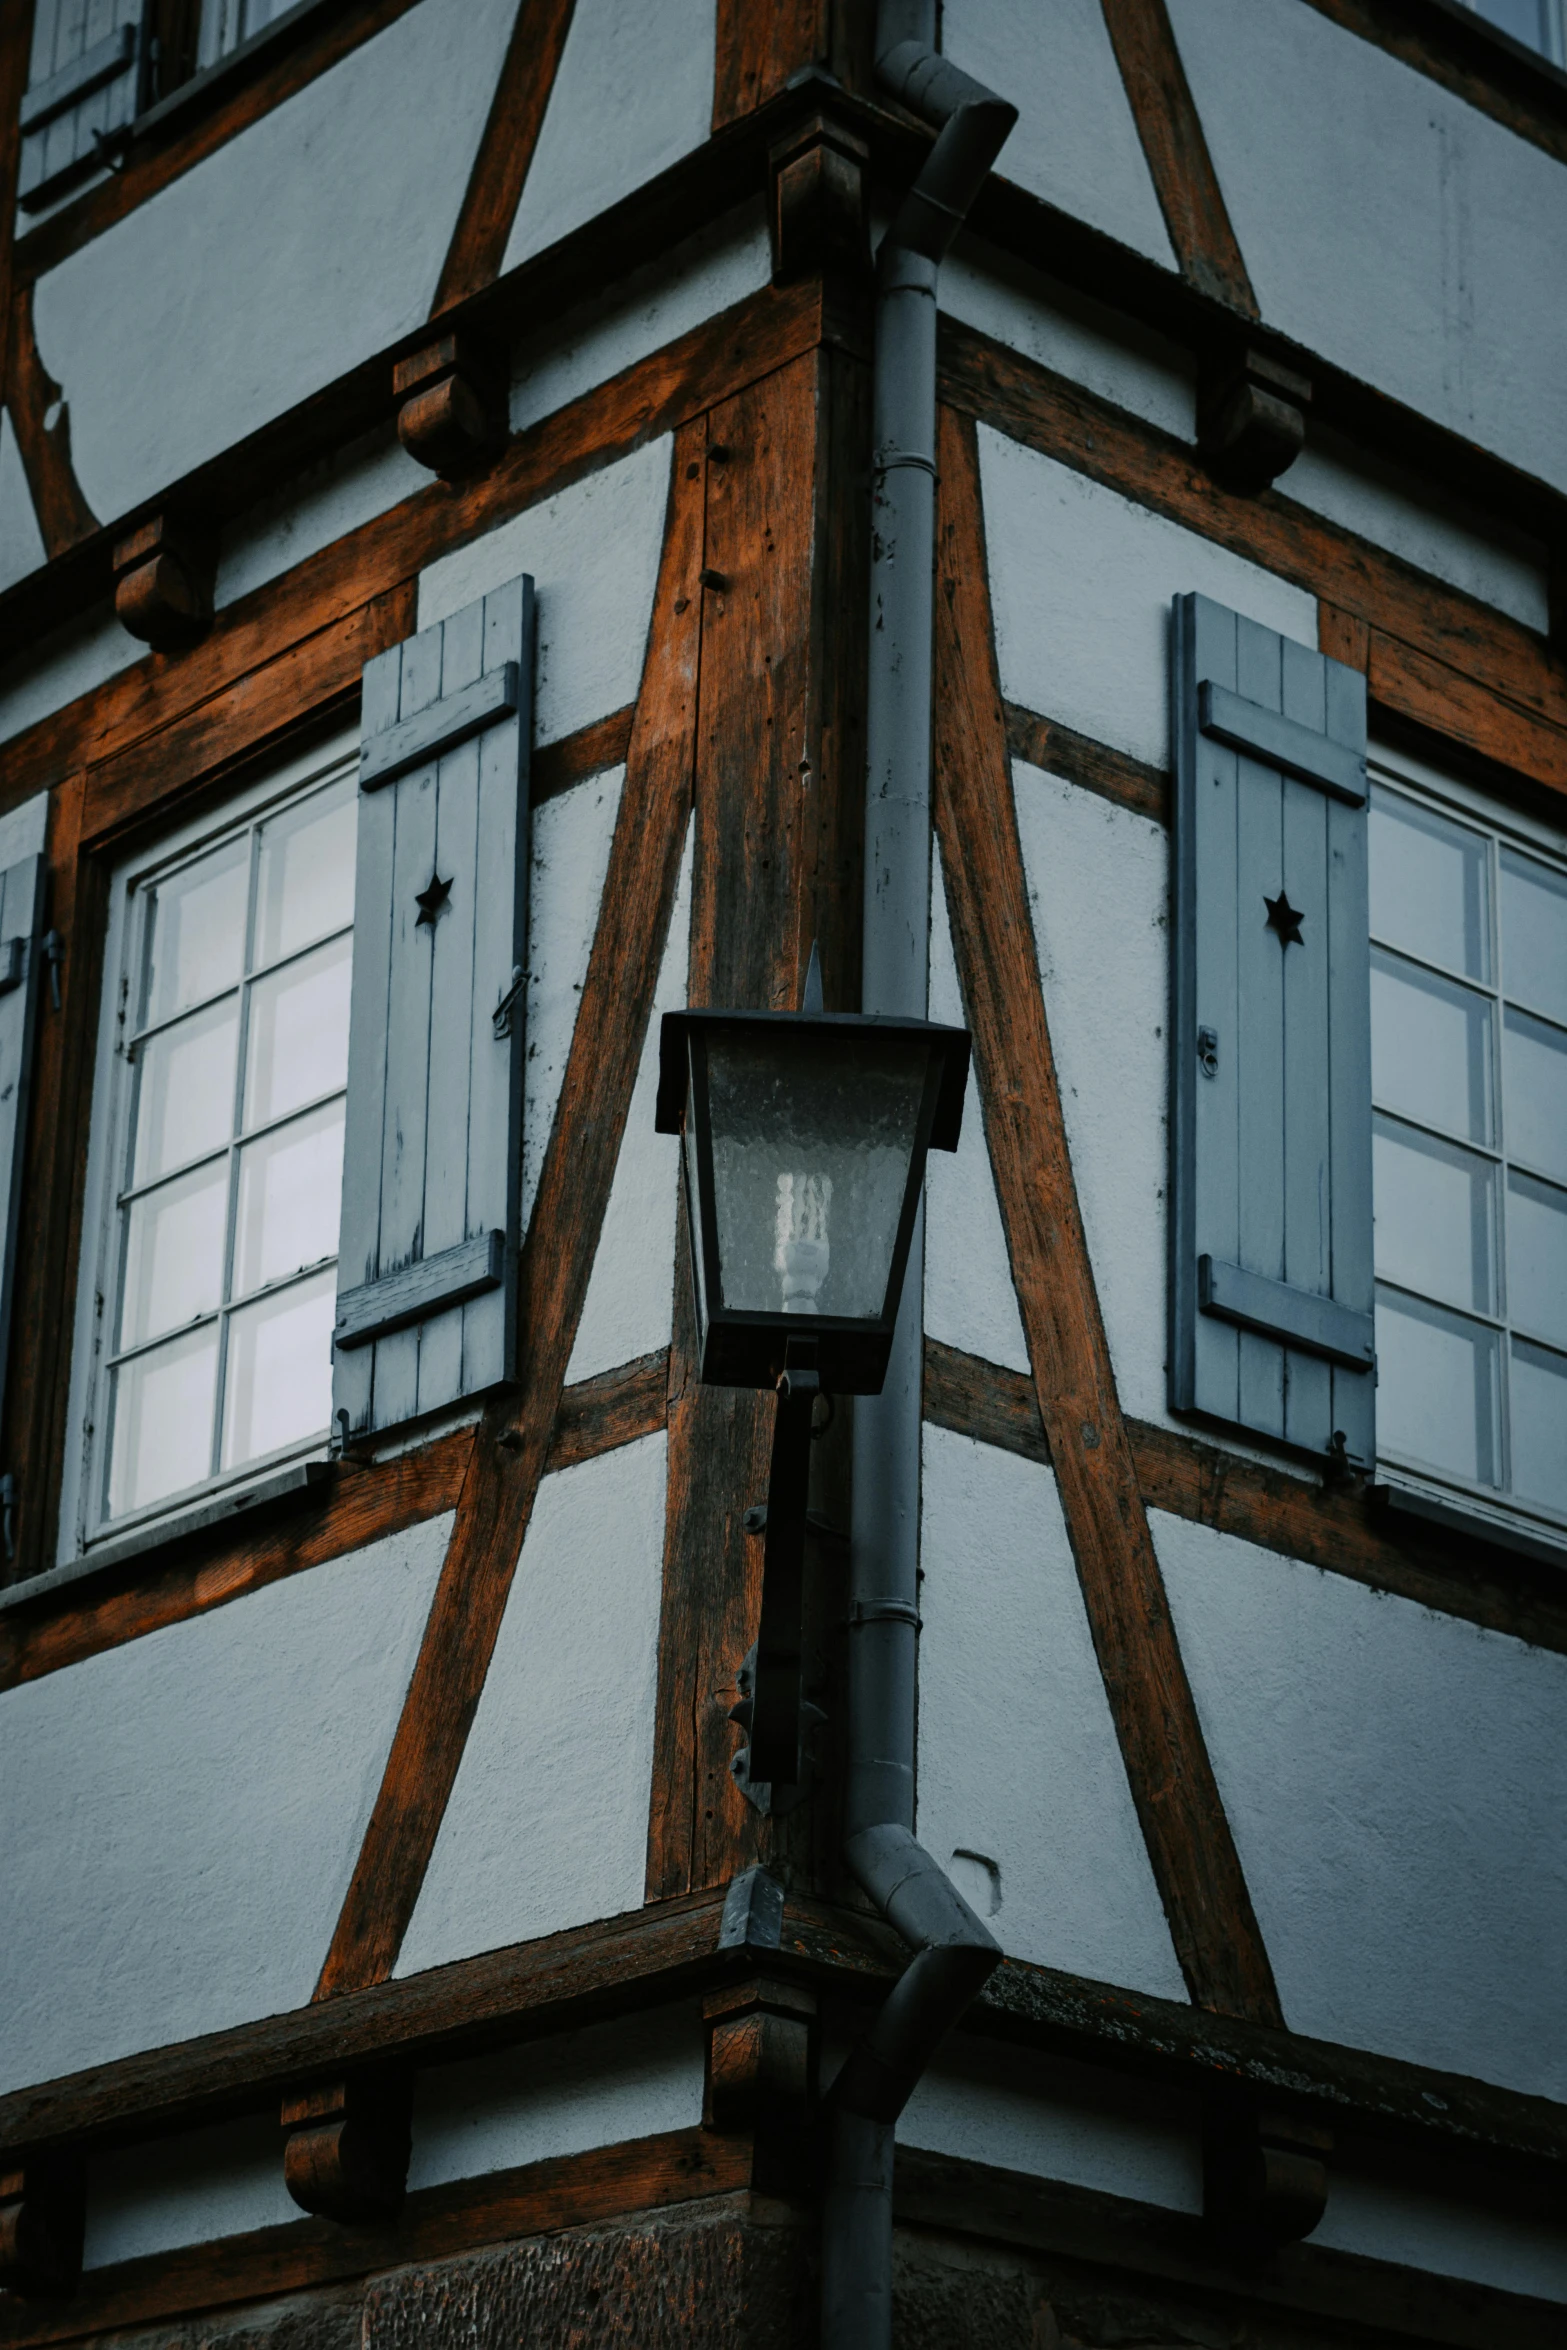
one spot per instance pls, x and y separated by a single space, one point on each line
801 1255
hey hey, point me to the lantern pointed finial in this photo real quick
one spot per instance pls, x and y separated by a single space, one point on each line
811 1001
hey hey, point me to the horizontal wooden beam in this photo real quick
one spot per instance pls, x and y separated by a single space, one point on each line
1451 44
1339 1529
670 1950
1133 784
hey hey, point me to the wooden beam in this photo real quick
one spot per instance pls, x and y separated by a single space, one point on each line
1339 1530
1133 784
539 2198
500 168
779 821
512 1444
1000 387
42 422
617 1407
649 398
759 44
559 766
1453 47
1143 2247
1176 152
1190 1847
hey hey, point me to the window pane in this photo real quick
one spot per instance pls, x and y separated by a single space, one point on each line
195 932
1435 1217
1438 1396
305 876
298 1045
1534 934
290 1192
162 1411
1428 886
185 1090
1537 1258
1430 1049
279 1384
1539 1386
174 1253
1534 1093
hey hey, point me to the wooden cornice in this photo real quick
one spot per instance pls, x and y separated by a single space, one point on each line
670 1950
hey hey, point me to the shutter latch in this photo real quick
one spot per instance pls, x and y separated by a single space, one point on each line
1208 1051
54 956
500 1018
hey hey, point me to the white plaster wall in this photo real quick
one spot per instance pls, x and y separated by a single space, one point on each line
182 1813
188 2189
570 843
627 1310
1081 581
315 236
1075 143
1385 223
634 93
593 551
1416 521
631 2078
1397 1782
1018 1761
969 1298
1113 356
983 2101
347 489
85 653
1387 2219
1098 886
641 313
547 1823
21 540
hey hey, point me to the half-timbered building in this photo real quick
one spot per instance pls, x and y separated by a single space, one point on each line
523 518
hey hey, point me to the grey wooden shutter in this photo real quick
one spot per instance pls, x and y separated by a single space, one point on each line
21 980
84 84
1271 1256
432 1155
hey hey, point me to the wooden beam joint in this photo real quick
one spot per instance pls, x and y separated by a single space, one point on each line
346 2154
817 213
163 582
761 2074
42 2205
1265 2172
451 405
1251 416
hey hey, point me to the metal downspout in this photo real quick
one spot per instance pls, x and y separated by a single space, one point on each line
954 1953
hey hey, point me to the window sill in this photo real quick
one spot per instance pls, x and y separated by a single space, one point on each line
285 1487
1462 1513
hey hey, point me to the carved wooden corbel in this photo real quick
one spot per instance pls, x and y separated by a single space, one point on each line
452 405
163 575
1251 416
346 2156
761 2070
41 2214
1265 2172
817 207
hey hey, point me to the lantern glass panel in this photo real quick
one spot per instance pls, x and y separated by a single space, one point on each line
811 1156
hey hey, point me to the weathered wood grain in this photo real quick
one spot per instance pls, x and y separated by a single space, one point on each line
33 396
575 757
513 1440
500 168
779 783
759 44
1131 783
613 1409
1340 1530
1176 152
1190 1847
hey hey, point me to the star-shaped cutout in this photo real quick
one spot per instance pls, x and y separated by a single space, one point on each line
1283 918
431 902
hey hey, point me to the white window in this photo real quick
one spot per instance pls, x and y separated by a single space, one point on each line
1469 1079
1537 23
226 23
218 1144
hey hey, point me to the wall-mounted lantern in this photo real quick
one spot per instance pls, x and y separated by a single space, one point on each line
805 1135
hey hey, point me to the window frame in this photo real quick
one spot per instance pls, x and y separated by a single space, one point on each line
83 1530
1428 1491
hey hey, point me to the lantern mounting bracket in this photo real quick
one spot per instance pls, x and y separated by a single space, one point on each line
772 1712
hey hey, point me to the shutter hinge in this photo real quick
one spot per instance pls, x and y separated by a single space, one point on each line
8 1515
500 1018
1208 1051
54 955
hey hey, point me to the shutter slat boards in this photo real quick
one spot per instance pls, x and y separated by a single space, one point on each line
1271 1287
21 982
83 84
433 1145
